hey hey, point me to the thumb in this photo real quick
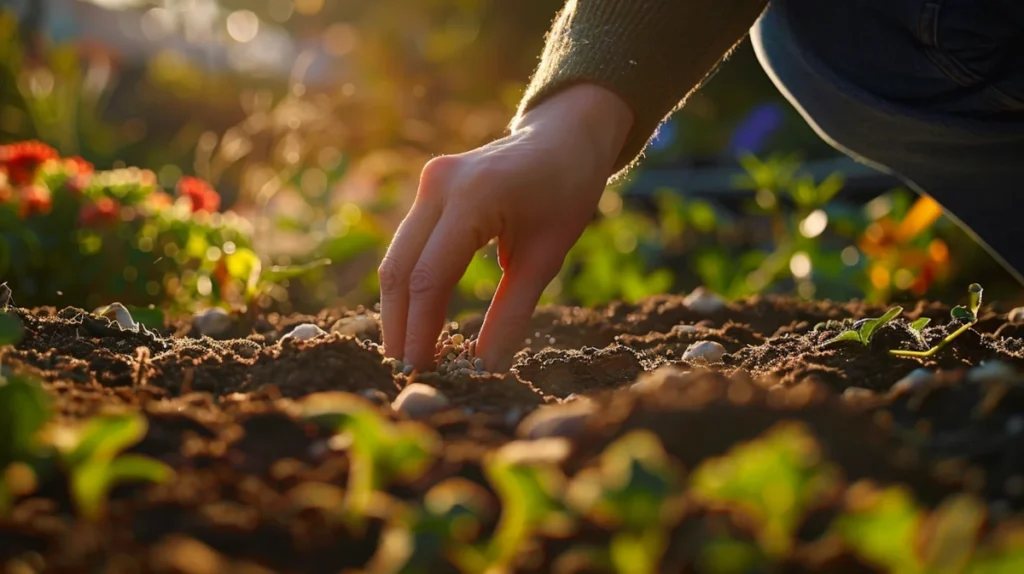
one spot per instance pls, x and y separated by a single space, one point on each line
508 319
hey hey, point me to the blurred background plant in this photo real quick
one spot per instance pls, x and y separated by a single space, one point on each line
312 120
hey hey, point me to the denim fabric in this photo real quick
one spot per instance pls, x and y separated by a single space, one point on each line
931 91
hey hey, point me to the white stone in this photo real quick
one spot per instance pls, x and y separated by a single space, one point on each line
684 329
212 322
706 351
914 380
304 332
1016 316
703 301
991 371
420 400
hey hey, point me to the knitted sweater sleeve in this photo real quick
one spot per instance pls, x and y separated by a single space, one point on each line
652 53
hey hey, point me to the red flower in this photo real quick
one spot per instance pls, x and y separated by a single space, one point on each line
78 166
34 199
23 158
200 193
105 210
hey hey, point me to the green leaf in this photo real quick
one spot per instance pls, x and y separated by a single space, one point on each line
24 409
963 313
282 272
920 323
152 318
845 336
91 482
11 330
245 266
637 553
975 292
868 330
104 437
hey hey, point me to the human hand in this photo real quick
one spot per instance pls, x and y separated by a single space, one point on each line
535 190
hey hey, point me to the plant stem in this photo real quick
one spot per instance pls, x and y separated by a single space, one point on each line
925 354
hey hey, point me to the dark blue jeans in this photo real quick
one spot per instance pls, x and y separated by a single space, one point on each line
931 91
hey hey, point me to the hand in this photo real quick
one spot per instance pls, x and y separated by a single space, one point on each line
535 190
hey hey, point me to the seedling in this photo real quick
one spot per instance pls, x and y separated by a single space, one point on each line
245 266
24 410
634 491
451 517
530 487
380 451
92 457
864 330
967 314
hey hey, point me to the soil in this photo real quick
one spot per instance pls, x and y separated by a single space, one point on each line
223 413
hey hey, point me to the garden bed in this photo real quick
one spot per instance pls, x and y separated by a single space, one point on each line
821 450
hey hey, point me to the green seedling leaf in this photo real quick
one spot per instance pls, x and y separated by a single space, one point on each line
637 553
969 316
104 437
975 291
871 327
24 410
962 313
845 336
11 330
282 272
920 323
881 527
773 479
92 481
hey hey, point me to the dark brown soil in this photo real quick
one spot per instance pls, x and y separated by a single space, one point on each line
223 413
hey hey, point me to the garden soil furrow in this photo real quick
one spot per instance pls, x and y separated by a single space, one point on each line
225 414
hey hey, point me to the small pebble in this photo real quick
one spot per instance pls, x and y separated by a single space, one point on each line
419 400
465 372
462 364
478 364
376 396
213 322
408 370
684 329
992 372
855 393
1015 425
565 420
355 326
707 351
304 332
457 339
914 380
703 301
1016 316
397 366
451 356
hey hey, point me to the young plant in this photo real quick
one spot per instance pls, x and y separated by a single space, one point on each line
24 410
530 487
451 517
864 330
969 315
380 451
258 281
634 490
92 457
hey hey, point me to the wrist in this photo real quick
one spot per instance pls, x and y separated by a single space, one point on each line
598 115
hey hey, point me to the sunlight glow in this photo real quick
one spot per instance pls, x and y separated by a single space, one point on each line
243 25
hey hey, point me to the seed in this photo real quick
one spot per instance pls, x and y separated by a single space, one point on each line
465 372
458 339
705 351
407 370
451 356
462 364
479 364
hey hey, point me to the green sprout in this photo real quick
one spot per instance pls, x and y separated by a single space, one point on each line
259 280
774 480
24 410
92 456
635 491
11 330
530 487
967 314
380 451
864 330
451 517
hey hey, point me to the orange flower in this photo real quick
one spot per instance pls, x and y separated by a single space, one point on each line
159 199
23 158
105 210
34 199
200 193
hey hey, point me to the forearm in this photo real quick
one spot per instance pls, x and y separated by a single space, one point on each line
651 53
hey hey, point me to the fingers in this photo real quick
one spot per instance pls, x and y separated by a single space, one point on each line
442 263
396 268
507 322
